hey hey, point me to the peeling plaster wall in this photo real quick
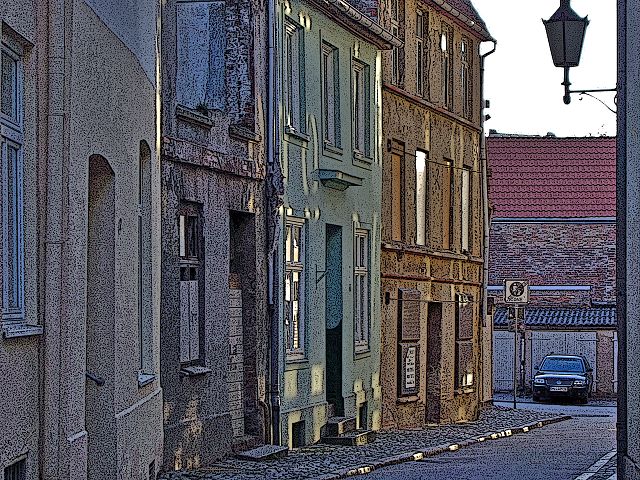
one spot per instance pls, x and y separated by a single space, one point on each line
214 158
439 269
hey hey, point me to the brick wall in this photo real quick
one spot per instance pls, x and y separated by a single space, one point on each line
556 254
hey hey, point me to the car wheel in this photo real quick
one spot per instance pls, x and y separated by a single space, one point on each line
583 400
536 398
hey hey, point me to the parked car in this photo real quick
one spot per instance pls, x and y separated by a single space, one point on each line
563 376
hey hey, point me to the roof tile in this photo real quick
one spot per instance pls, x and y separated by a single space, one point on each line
541 177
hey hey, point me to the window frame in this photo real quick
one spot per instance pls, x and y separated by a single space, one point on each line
330 95
12 137
360 108
293 266
193 265
422 53
446 48
465 210
422 214
464 340
466 81
294 75
396 29
361 306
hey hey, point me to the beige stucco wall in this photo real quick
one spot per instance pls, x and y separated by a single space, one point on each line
87 92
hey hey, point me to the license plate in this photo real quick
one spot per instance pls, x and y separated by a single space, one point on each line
558 389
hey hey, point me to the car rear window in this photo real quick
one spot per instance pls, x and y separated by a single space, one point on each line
562 364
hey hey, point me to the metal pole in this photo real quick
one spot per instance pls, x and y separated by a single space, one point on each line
515 354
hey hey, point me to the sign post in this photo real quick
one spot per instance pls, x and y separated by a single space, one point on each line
516 295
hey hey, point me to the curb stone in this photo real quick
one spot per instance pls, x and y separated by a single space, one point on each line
437 450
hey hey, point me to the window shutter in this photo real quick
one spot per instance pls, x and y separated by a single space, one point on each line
185 313
194 321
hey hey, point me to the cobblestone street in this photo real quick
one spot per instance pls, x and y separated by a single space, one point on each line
327 462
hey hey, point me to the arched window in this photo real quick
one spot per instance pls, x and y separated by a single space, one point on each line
145 268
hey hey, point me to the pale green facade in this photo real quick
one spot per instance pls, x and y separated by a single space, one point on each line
330 155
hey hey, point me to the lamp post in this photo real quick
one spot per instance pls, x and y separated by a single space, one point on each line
565 33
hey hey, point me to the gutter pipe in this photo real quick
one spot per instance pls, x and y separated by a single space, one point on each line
485 201
272 221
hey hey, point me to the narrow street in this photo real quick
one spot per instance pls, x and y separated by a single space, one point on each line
578 449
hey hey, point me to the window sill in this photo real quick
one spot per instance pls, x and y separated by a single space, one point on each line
332 150
361 160
361 352
407 399
296 362
243 133
296 135
18 330
464 390
145 379
191 116
194 371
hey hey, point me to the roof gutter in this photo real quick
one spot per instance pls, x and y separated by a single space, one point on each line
466 20
365 21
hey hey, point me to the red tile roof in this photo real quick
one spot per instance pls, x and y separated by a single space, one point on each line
549 177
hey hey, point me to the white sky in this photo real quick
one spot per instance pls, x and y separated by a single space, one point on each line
523 85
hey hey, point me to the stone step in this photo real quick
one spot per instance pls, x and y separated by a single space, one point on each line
338 425
264 452
355 439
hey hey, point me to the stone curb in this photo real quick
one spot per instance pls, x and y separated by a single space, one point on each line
432 451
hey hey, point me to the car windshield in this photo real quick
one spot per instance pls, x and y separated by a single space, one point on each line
562 364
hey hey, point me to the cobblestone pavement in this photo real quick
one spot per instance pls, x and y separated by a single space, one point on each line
327 461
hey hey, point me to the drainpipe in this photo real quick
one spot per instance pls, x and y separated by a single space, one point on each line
273 192
621 239
485 202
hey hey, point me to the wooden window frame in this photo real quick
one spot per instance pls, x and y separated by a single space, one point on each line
295 333
331 95
361 278
294 78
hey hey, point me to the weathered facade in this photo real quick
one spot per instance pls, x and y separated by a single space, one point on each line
81 245
433 216
327 237
214 343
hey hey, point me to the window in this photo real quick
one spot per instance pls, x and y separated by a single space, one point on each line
464 341
331 95
466 208
360 108
422 54
201 45
465 78
294 288
11 154
145 268
294 84
361 290
396 52
446 46
16 471
397 203
190 263
421 197
452 202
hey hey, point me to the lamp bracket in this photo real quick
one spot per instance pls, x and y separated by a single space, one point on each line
568 91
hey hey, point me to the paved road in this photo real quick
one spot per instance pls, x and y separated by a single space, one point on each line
578 449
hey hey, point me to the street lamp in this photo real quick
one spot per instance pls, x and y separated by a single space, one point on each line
565 32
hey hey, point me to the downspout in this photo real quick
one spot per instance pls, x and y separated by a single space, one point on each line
485 203
273 193
621 240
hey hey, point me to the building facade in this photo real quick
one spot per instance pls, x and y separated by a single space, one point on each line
628 249
328 225
214 334
553 224
81 246
433 215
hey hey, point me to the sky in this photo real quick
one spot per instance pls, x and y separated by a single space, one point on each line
523 85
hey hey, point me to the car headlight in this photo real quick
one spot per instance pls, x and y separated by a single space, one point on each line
538 381
579 383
